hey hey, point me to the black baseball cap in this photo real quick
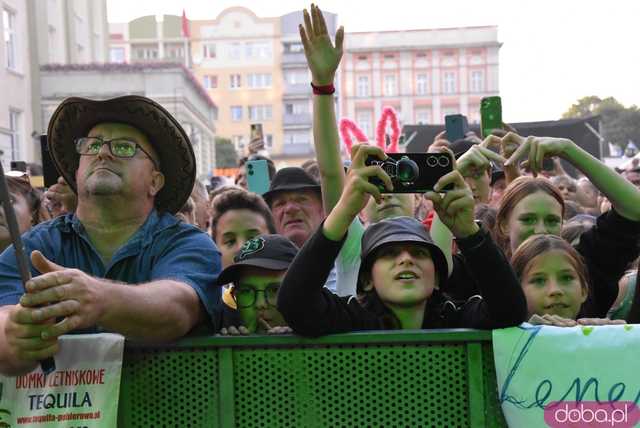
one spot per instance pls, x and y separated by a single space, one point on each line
272 252
401 230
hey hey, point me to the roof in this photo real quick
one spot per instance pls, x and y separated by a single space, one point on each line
133 68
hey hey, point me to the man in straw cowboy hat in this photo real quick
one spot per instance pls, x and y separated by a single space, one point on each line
132 167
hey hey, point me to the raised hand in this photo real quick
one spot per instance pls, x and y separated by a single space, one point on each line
439 142
456 207
322 57
535 149
477 160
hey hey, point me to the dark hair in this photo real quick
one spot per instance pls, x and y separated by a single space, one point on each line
31 195
239 199
516 191
270 165
370 300
487 216
538 244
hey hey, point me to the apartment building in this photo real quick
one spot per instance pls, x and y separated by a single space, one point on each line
38 32
149 39
423 74
255 70
237 58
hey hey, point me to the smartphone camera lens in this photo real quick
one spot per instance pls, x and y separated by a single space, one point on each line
432 161
407 170
444 161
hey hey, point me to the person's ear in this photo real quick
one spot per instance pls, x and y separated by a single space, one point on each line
157 182
368 286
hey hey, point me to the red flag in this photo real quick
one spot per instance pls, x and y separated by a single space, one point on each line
185 25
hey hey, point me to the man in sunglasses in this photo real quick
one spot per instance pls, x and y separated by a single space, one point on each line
132 167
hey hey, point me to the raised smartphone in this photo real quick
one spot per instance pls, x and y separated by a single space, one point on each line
490 115
457 126
257 176
412 172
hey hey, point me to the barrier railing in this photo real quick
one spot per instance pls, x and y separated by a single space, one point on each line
394 378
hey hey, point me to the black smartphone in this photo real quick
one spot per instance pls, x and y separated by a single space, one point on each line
412 172
490 115
457 126
49 170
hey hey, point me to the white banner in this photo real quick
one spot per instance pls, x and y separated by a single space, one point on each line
82 392
584 376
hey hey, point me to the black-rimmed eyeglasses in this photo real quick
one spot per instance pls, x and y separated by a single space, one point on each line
245 297
119 147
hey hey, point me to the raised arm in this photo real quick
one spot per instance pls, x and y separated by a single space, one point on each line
323 60
624 196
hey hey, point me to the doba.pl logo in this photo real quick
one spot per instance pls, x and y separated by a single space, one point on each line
621 414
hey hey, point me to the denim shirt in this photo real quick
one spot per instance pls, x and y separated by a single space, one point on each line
162 248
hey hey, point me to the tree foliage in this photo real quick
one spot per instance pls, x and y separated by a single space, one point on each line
226 156
619 123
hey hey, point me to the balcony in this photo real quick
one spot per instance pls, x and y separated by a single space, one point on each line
297 119
297 89
293 59
297 149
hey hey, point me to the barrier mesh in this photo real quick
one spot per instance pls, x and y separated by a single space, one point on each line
169 388
352 386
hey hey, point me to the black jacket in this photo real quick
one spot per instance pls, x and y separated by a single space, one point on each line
312 310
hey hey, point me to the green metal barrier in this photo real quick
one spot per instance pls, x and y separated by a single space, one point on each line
439 378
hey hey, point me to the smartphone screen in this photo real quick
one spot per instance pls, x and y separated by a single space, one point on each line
490 115
456 126
257 176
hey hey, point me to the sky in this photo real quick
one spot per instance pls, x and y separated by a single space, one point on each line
553 52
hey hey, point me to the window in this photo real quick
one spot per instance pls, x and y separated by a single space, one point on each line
477 81
363 118
390 85
210 82
449 82
259 80
209 50
14 128
295 48
296 108
238 141
268 142
236 113
258 50
296 138
422 84
260 112
363 86
235 51
116 55
423 115
235 81
174 52
297 77
9 32
146 52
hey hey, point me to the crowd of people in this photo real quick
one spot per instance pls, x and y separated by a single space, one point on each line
128 241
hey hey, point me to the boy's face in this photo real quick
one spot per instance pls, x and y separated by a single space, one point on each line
256 294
